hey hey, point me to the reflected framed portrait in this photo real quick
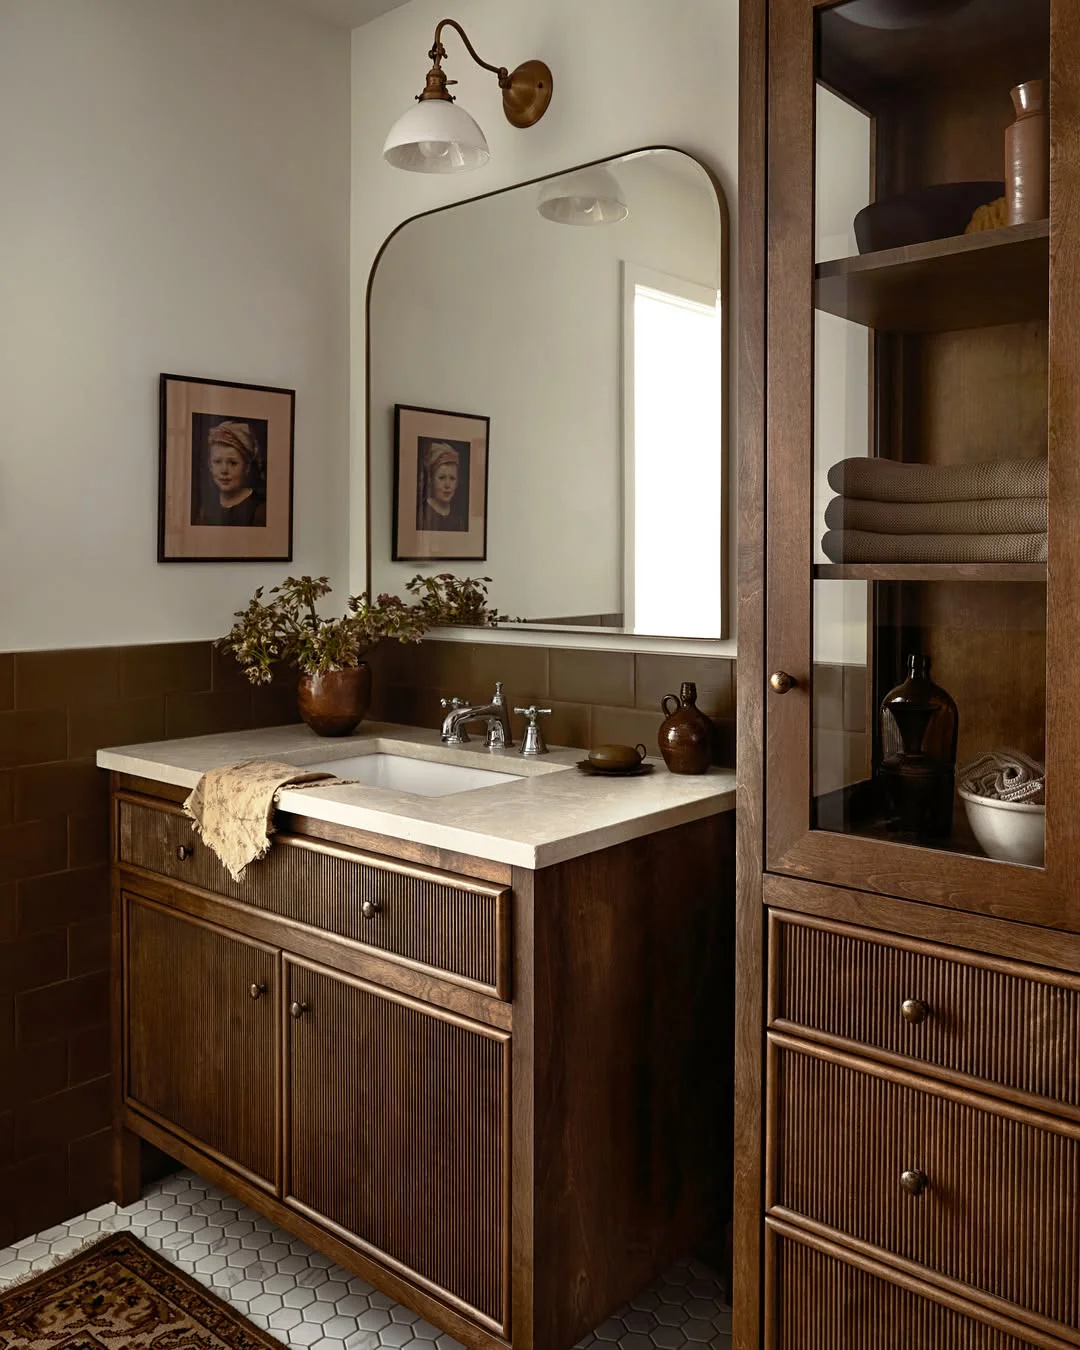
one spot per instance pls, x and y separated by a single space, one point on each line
225 483
440 485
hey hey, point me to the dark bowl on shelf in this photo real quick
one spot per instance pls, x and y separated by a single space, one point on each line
898 13
935 212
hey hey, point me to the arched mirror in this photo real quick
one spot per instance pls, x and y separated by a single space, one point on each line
547 399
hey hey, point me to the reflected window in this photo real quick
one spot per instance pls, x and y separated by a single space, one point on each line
674 466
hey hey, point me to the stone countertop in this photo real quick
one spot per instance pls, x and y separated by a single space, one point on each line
549 813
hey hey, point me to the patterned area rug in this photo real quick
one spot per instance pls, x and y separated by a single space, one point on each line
119 1295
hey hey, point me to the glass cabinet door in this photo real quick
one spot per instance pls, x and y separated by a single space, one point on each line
922 454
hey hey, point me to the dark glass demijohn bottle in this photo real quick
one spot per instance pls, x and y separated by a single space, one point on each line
919 726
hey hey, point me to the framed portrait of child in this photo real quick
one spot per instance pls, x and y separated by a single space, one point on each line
440 485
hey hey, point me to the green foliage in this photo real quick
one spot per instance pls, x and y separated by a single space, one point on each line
447 599
286 627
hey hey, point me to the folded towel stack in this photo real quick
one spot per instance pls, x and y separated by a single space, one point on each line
890 512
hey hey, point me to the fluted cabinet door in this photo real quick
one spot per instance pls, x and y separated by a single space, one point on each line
398 1134
201 1020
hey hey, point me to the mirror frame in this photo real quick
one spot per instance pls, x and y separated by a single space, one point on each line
527 630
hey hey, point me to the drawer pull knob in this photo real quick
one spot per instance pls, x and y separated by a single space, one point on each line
914 1011
370 908
297 1010
780 682
184 852
257 990
914 1182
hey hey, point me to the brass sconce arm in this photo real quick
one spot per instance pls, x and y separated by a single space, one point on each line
526 90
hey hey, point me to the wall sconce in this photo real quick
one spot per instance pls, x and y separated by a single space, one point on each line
438 136
588 197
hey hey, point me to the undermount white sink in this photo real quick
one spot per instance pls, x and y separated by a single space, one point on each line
423 777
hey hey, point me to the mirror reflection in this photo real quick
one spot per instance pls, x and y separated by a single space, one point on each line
546 399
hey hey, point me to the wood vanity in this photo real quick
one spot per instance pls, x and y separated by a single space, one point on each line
490 1090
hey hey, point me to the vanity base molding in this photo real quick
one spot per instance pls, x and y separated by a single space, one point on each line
485 1095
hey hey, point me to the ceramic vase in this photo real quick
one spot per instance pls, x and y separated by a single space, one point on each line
686 734
335 703
919 730
1027 156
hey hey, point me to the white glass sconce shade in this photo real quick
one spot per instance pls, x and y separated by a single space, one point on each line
588 197
436 136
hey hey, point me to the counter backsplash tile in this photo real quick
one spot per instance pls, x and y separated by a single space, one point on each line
56 710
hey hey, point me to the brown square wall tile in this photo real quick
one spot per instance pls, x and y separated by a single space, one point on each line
31 962
166 668
33 848
69 897
626 726
46 790
45 1014
274 707
56 679
89 1055
88 838
39 1071
206 714
70 1114
7 681
9 911
34 1193
569 724
226 673
7 1138
32 737
592 677
658 675
90 1170
89 946
128 721
7 796
523 671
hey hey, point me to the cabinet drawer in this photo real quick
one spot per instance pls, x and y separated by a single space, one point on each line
1011 1026
453 925
823 1302
1000 1209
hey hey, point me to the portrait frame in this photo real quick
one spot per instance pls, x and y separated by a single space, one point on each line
196 521
429 525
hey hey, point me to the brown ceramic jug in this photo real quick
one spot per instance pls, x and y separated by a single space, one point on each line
1027 156
334 703
686 735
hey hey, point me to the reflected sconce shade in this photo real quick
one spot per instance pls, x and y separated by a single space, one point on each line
588 197
438 136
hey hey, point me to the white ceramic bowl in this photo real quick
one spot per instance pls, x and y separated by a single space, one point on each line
1012 831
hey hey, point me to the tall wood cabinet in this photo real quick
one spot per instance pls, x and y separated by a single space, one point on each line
908 1008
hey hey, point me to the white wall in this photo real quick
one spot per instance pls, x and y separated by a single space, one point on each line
627 73
174 185
488 308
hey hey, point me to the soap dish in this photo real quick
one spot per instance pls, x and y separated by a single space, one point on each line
595 771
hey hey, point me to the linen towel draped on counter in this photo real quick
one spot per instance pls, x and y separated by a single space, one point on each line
890 512
232 808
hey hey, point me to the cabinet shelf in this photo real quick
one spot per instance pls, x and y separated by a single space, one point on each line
968 281
930 572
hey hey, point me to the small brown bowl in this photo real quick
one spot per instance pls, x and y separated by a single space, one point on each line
617 756
935 212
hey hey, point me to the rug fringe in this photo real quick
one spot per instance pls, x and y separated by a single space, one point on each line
58 1259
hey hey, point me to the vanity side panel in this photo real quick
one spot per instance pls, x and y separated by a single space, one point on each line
633 970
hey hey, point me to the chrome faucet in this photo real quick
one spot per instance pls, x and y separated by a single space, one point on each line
494 714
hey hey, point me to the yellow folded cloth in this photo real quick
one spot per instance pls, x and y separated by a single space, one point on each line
232 808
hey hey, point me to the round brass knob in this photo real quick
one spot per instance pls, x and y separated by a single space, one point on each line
914 1011
257 990
370 908
297 1010
184 852
780 682
914 1182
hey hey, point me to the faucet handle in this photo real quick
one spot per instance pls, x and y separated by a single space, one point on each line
452 704
532 743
